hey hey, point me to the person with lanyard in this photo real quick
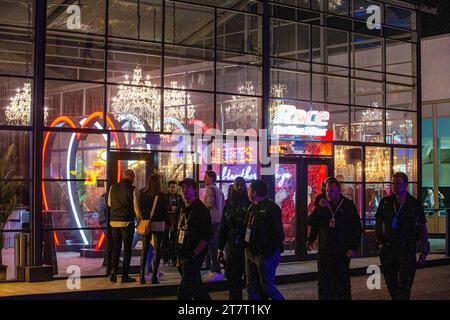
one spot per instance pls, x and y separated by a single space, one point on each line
231 237
400 222
194 232
263 243
336 221
169 240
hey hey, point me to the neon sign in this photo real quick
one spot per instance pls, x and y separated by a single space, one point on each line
289 120
246 173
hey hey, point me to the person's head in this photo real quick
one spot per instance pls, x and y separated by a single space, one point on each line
430 192
188 189
210 177
332 189
340 177
153 184
172 186
128 175
257 191
399 183
239 185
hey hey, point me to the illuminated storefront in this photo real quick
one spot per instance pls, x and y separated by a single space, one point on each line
115 84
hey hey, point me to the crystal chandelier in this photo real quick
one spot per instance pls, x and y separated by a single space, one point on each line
18 112
175 102
138 102
334 4
244 106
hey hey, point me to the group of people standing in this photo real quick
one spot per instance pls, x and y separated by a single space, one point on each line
244 233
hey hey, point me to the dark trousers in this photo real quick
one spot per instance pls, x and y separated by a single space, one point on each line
169 246
399 268
157 239
334 277
124 235
191 285
260 272
235 271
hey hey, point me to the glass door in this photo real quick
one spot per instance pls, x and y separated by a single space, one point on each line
143 164
298 182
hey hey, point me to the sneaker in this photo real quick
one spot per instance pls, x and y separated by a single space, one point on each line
214 277
160 273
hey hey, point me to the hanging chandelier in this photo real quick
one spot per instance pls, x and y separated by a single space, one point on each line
138 102
242 107
334 4
18 112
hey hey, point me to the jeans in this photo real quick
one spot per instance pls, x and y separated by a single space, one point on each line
124 235
211 260
260 272
334 277
157 239
399 268
191 285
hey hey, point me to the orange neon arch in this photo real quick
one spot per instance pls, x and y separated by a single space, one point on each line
99 114
61 119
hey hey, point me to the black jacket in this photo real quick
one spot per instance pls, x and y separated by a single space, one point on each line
196 221
347 232
122 208
410 217
145 203
232 228
264 219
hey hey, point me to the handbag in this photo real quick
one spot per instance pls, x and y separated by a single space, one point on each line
144 226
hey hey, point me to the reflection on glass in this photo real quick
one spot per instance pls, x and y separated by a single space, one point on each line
285 193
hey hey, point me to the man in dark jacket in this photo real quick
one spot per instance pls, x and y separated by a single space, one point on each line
121 202
264 243
400 220
170 241
194 232
337 223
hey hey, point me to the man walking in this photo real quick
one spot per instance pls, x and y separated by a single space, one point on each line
264 243
121 202
194 232
336 222
400 222
215 202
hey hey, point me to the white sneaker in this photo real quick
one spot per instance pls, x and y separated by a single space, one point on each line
213 277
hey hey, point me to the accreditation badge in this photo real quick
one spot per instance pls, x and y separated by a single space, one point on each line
181 235
332 224
248 232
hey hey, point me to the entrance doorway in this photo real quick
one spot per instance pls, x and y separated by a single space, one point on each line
143 164
298 182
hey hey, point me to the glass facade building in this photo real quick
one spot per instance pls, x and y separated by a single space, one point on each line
88 90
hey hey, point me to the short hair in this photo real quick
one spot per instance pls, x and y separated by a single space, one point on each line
402 175
334 181
211 174
171 182
260 187
128 174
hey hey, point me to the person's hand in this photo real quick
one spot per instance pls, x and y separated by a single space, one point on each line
422 258
221 257
324 203
350 253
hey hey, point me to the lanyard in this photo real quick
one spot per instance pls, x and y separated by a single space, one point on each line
333 213
394 223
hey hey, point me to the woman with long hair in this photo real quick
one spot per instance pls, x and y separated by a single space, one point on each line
149 197
231 237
